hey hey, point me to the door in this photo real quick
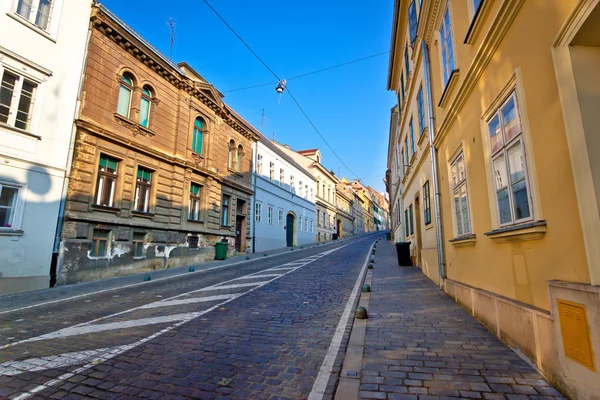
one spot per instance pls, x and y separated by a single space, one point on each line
339 228
240 227
418 261
290 229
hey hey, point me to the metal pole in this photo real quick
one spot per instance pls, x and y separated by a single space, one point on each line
434 167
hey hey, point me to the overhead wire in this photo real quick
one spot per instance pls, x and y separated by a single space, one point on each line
279 80
311 73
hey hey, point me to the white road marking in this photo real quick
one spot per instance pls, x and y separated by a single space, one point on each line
326 370
58 361
258 276
183 274
234 286
124 348
169 303
85 329
282 268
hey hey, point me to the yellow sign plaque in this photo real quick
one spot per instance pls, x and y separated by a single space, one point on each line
576 333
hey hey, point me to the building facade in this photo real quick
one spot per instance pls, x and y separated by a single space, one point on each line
161 166
345 219
513 145
284 200
367 205
42 47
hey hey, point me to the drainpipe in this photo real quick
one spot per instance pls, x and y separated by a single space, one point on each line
434 167
252 219
65 187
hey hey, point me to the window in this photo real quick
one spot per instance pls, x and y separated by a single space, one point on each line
142 190
257 211
35 11
280 217
281 177
312 226
271 171
306 224
412 137
230 155
402 86
406 223
306 191
195 201
145 106
329 195
301 188
319 217
403 164
459 191
9 199
270 215
421 111
410 219
300 223
312 195
412 21
427 204
447 49
406 150
259 164
193 242
125 90
99 243
16 100
107 181
238 158
138 244
406 62
225 210
197 136
476 4
292 184
509 164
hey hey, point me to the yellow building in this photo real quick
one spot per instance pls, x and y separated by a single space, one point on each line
512 90
367 205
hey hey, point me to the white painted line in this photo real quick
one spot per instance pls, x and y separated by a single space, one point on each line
257 276
183 274
51 362
82 330
113 354
170 303
326 370
235 286
282 268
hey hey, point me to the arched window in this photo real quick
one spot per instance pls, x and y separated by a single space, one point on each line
231 155
197 136
238 161
145 106
125 90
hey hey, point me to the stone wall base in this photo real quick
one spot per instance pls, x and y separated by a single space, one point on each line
537 333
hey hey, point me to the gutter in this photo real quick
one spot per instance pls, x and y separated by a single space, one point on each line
253 221
434 166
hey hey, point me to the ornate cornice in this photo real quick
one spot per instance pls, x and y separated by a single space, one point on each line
134 127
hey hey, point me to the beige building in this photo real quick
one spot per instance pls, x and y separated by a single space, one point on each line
511 88
149 190
345 219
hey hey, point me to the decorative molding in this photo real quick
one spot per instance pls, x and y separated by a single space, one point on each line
464 241
518 233
452 82
478 21
134 127
500 25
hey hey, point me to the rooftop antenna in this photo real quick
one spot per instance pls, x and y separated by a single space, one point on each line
172 27
262 120
273 136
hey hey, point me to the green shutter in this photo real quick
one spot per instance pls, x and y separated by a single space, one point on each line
195 189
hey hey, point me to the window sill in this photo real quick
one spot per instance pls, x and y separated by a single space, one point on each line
133 126
424 134
31 26
428 226
200 221
234 172
452 82
21 131
11 232
464 241
142 214
519 233
99 207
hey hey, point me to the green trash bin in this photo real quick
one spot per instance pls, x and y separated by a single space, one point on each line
388 236
221 250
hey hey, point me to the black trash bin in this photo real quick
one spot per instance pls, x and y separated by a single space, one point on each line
335 236
403 251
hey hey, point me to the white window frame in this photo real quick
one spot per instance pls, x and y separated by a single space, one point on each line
257 211
270 214
456 188
502 151
300 223
16 97
280 216
292 184
446 68
259 164
271 171
19 206
51 29
281 177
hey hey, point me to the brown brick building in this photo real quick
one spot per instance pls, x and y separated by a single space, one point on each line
161 166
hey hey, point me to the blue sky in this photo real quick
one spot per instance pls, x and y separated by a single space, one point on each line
349 105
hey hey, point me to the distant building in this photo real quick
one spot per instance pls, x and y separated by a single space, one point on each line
284 199
42 47
345 200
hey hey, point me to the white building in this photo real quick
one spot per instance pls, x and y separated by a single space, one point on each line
284 200
42 47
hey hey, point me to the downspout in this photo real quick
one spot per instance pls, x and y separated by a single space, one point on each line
401 210
65 187
434 166
253 220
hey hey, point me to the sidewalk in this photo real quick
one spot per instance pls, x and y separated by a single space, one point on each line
422 345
